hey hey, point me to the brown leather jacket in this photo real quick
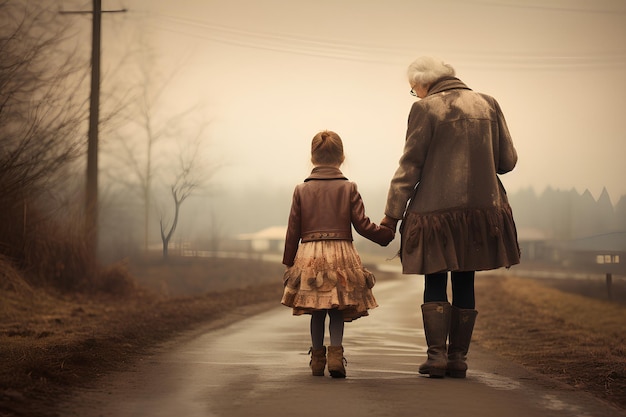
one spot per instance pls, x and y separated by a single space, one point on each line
325 207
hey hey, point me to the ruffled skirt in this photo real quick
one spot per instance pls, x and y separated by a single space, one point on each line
459 240
329 274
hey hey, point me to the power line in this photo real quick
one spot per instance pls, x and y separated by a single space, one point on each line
327 48
587 7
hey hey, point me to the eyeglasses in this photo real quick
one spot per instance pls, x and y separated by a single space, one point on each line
413 93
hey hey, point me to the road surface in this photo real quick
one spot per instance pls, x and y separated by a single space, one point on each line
258 367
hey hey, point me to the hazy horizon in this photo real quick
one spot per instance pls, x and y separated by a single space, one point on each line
270 74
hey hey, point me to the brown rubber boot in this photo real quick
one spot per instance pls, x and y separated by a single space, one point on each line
318 361
336 362
461 328
436 316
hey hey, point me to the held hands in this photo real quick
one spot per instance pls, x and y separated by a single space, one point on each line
389 223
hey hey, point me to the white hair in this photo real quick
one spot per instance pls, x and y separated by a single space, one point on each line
425 70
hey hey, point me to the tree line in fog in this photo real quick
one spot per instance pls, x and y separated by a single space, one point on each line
565 215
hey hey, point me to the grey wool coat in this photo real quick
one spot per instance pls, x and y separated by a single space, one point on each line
454 209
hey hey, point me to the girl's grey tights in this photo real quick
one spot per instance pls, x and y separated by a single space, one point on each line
335 327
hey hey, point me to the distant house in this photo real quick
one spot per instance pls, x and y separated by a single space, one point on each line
532 243
270 239
605 253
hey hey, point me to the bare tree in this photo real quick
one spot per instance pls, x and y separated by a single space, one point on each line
145 148
191 175
215 233
42 112
147 130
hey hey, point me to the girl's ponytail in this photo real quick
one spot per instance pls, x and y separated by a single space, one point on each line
327 149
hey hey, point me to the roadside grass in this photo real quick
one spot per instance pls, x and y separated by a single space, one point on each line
573 338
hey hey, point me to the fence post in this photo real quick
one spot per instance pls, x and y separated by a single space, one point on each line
609 282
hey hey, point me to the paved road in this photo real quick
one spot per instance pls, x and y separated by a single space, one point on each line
258 367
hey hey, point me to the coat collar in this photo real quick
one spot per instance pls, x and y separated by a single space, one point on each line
326 173
446 83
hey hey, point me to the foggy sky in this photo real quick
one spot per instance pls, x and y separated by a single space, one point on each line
270 74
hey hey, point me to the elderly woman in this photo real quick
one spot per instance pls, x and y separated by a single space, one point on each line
454 210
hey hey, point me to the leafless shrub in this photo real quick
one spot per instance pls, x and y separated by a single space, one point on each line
116 280
11 278
42 114
55 251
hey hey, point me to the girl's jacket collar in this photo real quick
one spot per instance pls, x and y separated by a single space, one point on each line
326 173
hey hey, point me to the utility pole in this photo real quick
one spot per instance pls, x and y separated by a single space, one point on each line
91 201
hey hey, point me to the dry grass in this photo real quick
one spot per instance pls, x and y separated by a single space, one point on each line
192 276
50 342
573 338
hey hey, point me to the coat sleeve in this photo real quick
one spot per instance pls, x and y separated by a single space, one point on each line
294 230
363 225
409 172
507 157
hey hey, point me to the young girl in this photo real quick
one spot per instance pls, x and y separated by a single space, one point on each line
324 274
